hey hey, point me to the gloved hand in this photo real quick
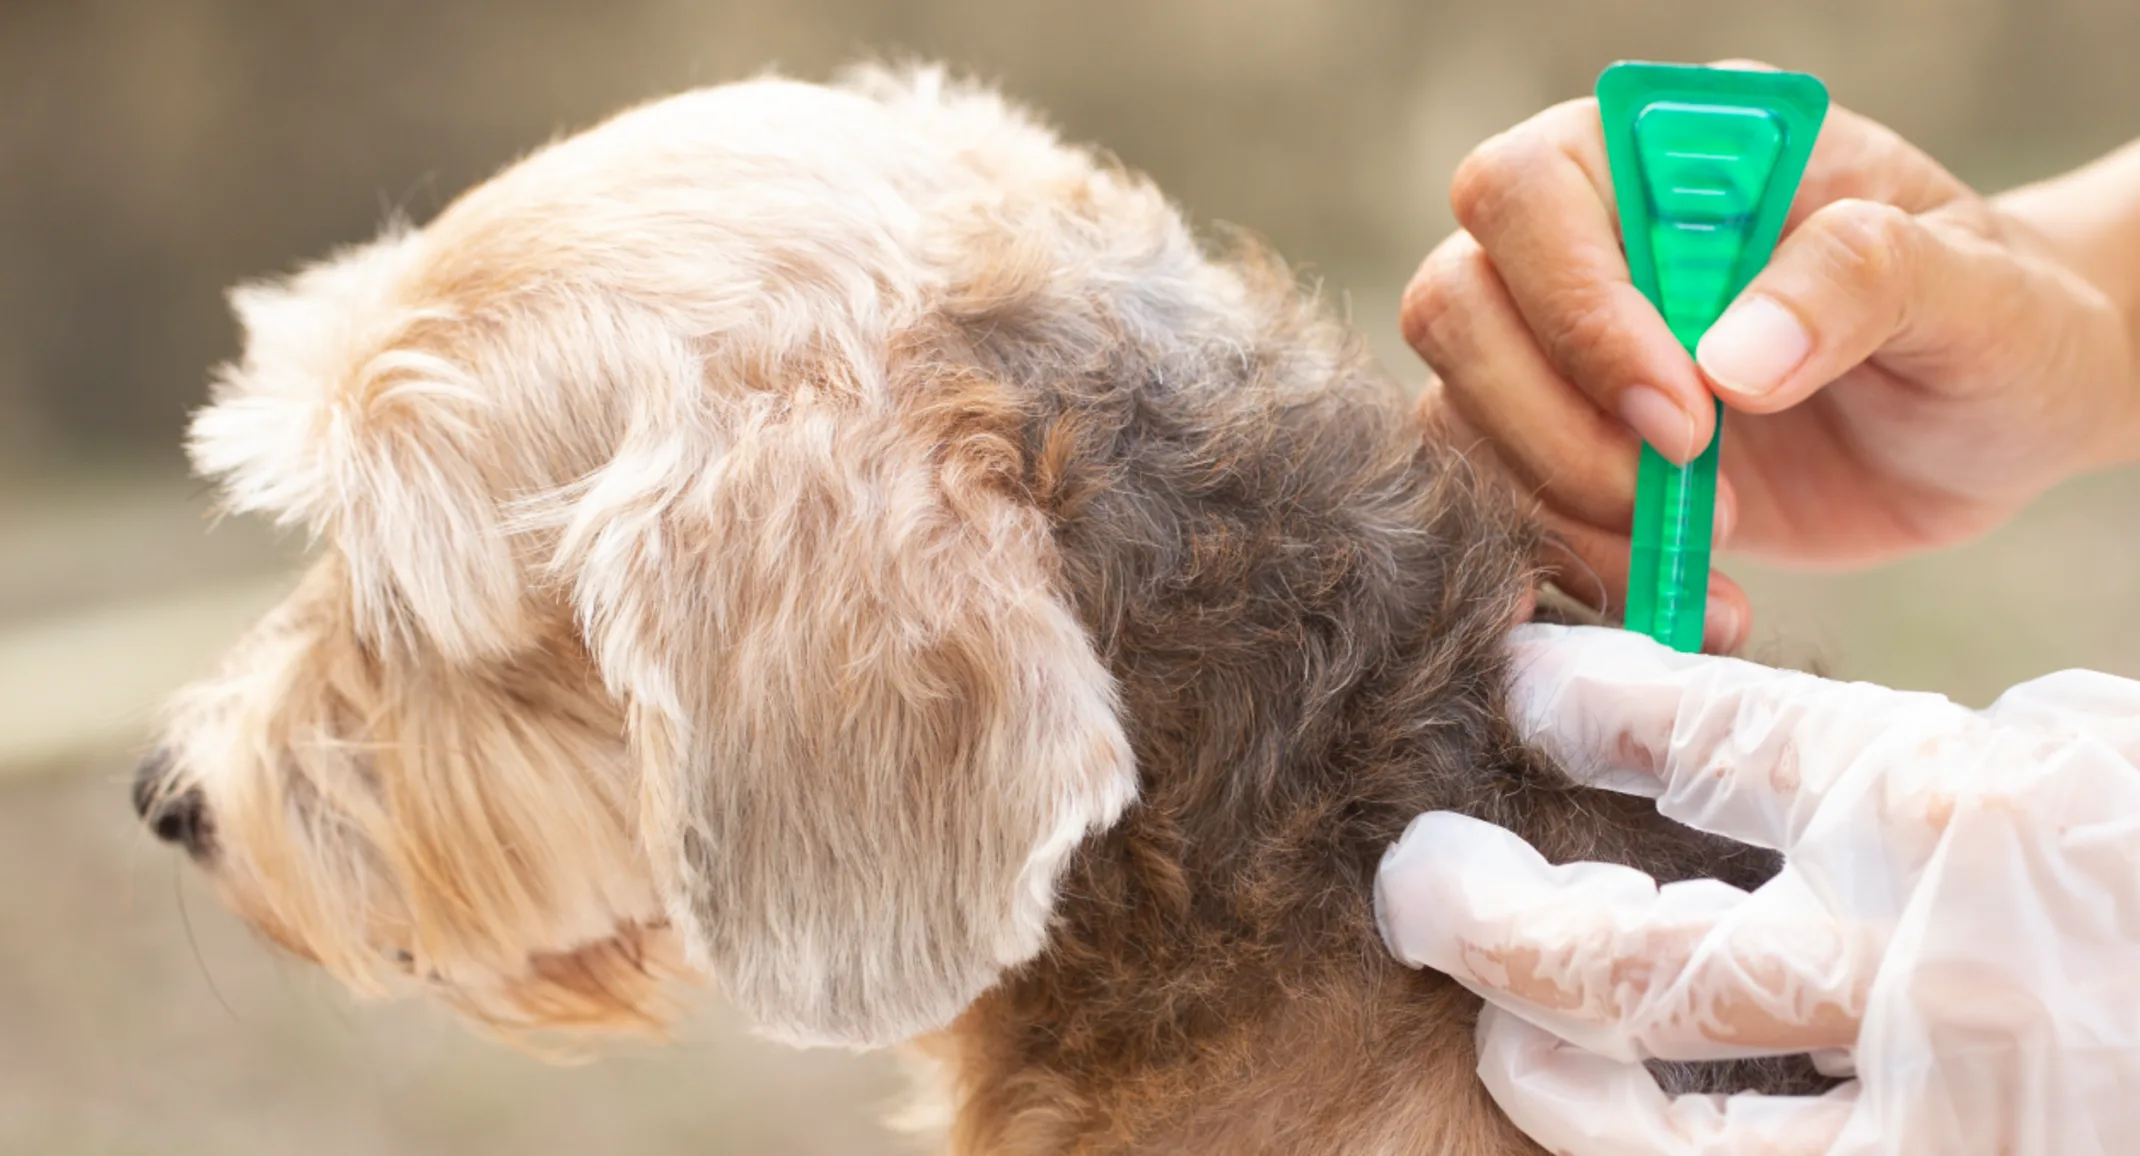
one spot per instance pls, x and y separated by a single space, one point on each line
1958 920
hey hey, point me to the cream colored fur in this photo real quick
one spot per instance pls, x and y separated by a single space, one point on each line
676 614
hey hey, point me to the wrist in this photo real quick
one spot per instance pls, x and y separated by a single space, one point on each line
2087 222
2090 220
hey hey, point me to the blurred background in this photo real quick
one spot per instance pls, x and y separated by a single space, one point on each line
156 151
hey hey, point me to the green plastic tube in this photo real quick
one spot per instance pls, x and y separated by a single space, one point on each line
1705 162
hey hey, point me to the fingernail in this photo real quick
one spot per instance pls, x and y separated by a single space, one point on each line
1753 347
1659 421
1727 516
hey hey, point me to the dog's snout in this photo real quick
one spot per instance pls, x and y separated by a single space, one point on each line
181 820
178 818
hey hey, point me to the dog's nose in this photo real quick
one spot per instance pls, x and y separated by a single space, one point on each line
179 818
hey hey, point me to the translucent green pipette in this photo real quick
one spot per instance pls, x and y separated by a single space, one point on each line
1705 162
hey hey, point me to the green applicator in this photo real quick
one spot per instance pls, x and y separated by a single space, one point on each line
1705 162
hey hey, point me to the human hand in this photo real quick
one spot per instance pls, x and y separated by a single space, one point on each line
1958 917
1915 364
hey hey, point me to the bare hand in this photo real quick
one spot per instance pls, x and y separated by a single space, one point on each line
1915 364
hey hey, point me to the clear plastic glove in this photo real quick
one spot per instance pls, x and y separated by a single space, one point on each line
1958 921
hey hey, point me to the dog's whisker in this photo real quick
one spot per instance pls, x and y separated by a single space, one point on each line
193 945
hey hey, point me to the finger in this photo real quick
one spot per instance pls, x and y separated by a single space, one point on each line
1857 158
1588 564
1539 200
1601 956
1742 64
2102 706
1728 618
1551 439
1737 749
1858 278
1582 1104
1591 566
1727 513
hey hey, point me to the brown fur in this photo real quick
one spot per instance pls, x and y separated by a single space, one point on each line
1302 604
773 539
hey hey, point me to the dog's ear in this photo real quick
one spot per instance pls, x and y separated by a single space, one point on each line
348 416
872 729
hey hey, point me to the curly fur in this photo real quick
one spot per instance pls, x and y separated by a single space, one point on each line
843 545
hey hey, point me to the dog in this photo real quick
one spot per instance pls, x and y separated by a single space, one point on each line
844 547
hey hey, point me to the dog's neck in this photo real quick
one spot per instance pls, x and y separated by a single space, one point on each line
1302 600
1302 605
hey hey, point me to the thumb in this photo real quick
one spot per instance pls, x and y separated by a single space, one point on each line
1855 279
1574 1102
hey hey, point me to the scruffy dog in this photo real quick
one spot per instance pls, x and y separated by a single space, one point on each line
844 546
